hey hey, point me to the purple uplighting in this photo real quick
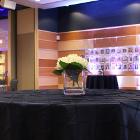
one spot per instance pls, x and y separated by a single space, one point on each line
3 13
2 9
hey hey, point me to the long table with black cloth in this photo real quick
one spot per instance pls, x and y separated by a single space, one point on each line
102 82
50 115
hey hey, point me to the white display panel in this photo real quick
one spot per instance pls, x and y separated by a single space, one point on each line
113 59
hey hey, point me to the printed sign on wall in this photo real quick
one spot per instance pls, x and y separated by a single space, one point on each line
114 59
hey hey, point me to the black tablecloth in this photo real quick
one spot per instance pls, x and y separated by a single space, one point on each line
102 82
50 115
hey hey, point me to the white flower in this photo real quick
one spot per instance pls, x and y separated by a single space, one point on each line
72 58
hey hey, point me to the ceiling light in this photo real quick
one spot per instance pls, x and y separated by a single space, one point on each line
78 2
61 3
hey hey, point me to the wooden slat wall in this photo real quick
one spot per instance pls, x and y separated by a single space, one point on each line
100 33
78 41
47 57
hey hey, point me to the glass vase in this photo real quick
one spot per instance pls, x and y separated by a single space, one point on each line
74 82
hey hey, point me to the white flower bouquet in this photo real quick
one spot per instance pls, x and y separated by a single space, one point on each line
70 62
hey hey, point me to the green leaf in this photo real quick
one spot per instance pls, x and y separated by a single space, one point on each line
58 72
75 65
63 64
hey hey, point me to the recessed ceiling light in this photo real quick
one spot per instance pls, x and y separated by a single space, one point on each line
37 0
78 2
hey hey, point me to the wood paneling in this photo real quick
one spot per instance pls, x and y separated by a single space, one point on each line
75 44
64 53
46 35
47 57
105 42
48 54
76 35
47 71
118 31
48 80
45 44
128 81
114 42
47 63
100 33
126 30
126 41
128 88
60 79
138 40
49 87
138 29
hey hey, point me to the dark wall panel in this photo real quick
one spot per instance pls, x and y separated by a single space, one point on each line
103 13
3 13
48 19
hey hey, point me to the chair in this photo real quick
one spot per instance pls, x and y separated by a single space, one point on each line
13 84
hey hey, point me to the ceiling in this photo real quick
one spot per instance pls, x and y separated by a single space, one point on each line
47 4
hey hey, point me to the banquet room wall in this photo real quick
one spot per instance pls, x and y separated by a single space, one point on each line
123 36
47 48
81 27
98 14
72 29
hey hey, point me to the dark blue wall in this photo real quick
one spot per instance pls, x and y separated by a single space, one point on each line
48 19
103 13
